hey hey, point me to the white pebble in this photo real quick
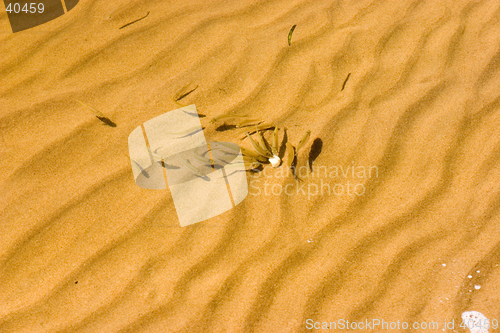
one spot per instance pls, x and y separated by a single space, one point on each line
275 161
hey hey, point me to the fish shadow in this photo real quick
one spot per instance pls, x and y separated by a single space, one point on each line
225 127
107 121
192 133
316 148
282 148
199 115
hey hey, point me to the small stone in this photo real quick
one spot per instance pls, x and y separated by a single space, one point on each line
275 161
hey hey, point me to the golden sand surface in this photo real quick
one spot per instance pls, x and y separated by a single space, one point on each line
413 234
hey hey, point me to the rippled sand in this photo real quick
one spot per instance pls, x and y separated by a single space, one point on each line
86 250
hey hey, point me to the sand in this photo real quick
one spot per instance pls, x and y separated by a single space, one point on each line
407 237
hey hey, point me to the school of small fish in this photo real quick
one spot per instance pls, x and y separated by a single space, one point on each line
263 153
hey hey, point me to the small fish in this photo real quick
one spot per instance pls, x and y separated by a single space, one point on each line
260 127
186 132
202 159
245 163
184 92
137 164
191 112
227 148
290 35
257 148
304 140
96 112
233 170
253 154
232 153
155 155
244 151
227 116
231 146
217 156
218 163
192 167
246 166
290 154
142 18
274 147
264 126
252 166
262 142
249 160
177 102
249 122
